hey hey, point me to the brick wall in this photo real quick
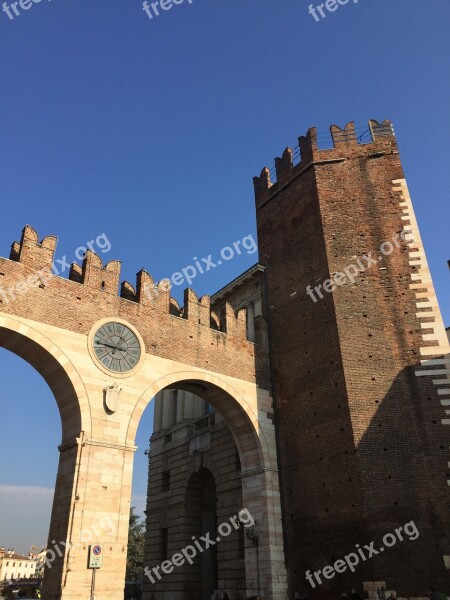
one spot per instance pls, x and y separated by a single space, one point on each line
362 447
92 293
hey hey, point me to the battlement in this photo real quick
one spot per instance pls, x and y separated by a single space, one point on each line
33 253
377 140
102 280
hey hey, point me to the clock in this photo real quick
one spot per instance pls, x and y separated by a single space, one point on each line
116 347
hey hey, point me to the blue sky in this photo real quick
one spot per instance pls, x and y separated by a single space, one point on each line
150 131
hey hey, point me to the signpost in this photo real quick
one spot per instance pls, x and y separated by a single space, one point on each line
95 561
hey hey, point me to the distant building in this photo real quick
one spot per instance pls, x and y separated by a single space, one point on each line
16 566
40 563
244 292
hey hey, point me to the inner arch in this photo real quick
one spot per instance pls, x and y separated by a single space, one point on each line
239 416
60 375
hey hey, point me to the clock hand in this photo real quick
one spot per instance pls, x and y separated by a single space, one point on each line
108 345
121 348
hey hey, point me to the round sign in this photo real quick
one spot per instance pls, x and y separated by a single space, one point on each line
97 550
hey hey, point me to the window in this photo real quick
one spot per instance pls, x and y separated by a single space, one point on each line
164 543
165 483
241 542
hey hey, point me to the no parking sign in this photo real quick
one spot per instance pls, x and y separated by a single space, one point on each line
95 556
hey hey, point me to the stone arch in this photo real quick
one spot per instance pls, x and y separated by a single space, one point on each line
56 369
264 568
241 418
192 471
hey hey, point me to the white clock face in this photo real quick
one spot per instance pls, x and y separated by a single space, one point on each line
117 347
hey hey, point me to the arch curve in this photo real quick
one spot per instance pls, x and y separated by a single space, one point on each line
240 417
57 370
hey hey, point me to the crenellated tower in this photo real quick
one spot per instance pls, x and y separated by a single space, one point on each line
359 371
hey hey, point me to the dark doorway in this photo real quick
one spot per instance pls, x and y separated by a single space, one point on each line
201 507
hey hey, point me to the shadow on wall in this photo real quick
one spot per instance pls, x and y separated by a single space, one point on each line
395 475
403 460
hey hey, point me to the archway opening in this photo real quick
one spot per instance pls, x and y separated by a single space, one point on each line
31 433
195 544
48 362
46 429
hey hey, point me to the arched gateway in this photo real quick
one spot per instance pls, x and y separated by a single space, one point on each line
105 357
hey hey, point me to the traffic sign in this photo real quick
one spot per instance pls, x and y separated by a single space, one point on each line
95 556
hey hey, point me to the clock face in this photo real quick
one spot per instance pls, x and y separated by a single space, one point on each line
117 347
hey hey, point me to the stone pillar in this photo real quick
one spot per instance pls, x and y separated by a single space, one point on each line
168 409
264 563
157 419
188 405
180 406
251 322
199 407
91 506
258 308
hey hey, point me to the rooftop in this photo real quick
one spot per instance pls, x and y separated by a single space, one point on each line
258 268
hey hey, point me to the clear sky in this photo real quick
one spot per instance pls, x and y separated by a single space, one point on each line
150 132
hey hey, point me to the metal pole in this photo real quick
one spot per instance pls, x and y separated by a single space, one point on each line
93 584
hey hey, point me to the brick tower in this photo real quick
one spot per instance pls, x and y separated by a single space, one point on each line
356 338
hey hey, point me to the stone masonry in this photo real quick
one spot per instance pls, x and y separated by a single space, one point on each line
49 322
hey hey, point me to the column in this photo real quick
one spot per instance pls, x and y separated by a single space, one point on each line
188 405
157 419
180 406
251 322
168 409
